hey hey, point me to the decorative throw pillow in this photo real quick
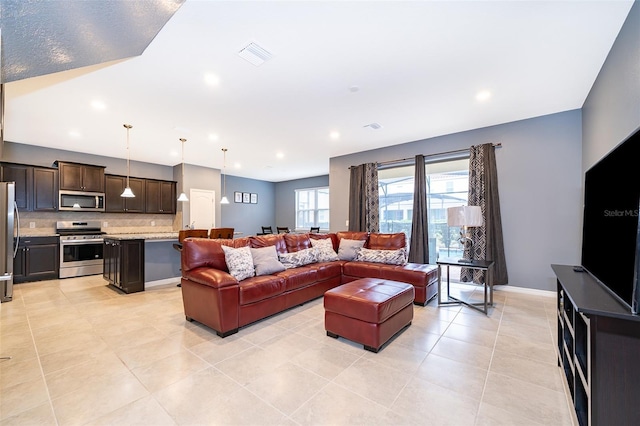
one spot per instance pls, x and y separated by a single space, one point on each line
298 258
324 250
239 262
265 260
391 257
348 249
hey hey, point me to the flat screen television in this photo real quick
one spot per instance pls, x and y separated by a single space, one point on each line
611 234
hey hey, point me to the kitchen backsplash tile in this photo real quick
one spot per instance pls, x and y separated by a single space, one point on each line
44 223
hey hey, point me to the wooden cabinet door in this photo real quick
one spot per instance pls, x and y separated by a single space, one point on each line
23 177
92 179
136 204
114 185
20 265
152 196
106 260
70 176
45 189
43 262
168 197
132 265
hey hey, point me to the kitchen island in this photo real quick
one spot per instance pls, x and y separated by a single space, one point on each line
133 262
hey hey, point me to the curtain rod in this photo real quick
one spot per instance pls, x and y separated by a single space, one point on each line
402 160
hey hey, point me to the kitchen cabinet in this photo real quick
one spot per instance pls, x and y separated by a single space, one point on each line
160 196
36 187
81 177
37 259
114 203
124 264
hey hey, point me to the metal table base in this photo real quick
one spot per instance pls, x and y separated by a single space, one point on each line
483 265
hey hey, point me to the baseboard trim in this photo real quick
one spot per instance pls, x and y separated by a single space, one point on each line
156 283
524 290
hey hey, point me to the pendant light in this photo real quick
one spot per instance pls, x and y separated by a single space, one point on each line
224 199
128 193
183 197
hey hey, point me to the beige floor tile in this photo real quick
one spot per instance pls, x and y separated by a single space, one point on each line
527 400
541 333
149 352
68 358
325 360
373 381
403 358
287 387
417 337
335 405
143 412
490 415
52 344
527 370
248 366
457 350
98 397
471 334
171 369
42 415
218 349
23 396
14 371
289 345
482 322
460 377
542 352
260 332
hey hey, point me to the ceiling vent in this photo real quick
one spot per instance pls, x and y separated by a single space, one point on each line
374 126
255 54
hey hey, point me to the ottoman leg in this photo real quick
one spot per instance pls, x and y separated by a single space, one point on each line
371 349
330 334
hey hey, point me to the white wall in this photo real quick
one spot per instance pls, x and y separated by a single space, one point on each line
539 174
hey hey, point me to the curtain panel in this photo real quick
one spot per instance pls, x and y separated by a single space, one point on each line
487 239
364 204
419 247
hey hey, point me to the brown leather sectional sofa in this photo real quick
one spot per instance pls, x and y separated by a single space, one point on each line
216 299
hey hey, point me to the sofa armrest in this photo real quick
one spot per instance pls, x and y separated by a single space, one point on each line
211 277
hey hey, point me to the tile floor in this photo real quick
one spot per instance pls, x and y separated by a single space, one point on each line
84 354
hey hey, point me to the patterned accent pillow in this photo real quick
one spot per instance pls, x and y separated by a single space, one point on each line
298 258
324 250
239 262
265 260
349 248
391 257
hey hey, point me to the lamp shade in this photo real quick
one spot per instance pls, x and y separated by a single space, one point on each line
465 216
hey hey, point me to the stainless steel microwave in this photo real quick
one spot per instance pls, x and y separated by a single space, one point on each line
81 201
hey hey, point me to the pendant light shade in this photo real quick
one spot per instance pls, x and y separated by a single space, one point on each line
182 197
128 193
224 199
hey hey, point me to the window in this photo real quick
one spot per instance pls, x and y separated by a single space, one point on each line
447 186
312 208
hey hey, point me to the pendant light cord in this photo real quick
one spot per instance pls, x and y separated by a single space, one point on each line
128 126
224 169
183 140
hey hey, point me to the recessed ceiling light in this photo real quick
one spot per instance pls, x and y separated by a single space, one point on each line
173 153
213 136
483 95
98 105
354 89
374 126
334 135
237 165
75 134
182 129
211 79
279 155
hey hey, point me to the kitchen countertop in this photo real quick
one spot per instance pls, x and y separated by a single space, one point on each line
144 236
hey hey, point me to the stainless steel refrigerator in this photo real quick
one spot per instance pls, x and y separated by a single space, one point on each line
8 217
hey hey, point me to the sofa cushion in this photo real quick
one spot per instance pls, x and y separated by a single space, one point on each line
364 269
324 250
269 240
348 249
330 236
352 235
297 242
239 262
379 241
298 258
298 277
256 289
391 257
265 261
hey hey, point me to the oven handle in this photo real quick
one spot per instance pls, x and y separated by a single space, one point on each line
80 242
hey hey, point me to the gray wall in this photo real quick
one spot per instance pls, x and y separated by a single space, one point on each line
248 218
539 173
286 198
197 177
611 112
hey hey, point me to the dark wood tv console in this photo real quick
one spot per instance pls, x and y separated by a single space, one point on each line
598 350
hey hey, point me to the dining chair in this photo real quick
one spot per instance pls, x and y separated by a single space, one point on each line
315 229
267 230
283 229
226 233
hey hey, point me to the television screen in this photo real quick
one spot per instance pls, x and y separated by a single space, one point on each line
610 227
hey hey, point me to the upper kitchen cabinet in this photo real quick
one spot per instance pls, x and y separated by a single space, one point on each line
160 196
36 187
114 185
81 177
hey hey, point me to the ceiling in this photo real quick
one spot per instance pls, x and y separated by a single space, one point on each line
416 68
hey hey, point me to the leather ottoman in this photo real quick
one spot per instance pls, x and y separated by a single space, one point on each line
369 311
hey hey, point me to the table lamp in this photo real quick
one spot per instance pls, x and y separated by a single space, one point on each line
465 217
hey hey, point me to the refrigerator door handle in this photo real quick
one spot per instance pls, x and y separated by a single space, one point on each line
15 249
6 277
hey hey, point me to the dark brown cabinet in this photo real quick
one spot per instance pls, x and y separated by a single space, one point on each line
114 203
124 264
81 177
36 187
160 196
37 259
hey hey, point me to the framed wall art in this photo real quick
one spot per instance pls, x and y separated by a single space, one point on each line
254 198
237 197
246 197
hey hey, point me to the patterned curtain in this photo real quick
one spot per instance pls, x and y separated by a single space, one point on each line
364 207
487 239
419 249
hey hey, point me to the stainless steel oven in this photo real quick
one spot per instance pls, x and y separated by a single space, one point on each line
81 245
